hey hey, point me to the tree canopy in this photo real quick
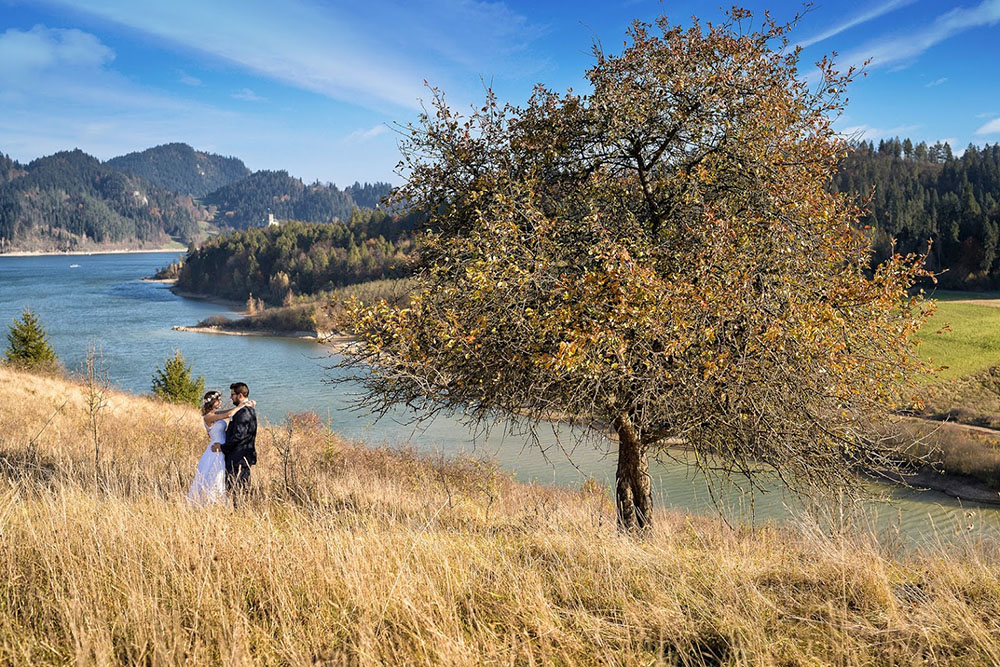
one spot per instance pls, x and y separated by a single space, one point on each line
659 260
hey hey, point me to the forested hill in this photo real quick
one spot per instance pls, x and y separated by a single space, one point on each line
924 193
247 202
71 200
180 168
275 263
8 169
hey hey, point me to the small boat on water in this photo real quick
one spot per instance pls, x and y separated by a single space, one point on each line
74 266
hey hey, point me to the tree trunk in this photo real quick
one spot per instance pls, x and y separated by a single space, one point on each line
633 493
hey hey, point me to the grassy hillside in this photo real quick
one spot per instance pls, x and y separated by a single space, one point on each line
382 557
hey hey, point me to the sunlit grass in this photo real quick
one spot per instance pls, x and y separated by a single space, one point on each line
963 337
362 556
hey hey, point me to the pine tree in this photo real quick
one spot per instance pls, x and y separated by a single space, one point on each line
174 382
29 344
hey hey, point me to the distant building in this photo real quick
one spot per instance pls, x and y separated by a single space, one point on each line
271 222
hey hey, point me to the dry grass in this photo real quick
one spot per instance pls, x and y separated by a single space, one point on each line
354 555
953 449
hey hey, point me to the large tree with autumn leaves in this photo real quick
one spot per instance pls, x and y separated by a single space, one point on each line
659 260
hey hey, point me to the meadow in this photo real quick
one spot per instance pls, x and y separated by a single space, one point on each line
962 337
349 554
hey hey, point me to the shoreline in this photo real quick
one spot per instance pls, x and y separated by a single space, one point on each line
960 487
75 253
236 306
335 341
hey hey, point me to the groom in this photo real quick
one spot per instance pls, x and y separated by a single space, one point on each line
239 449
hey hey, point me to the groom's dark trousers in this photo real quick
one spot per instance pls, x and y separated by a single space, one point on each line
240 452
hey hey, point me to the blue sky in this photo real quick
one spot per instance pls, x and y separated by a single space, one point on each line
315 87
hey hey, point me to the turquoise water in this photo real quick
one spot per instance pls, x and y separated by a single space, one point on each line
102 301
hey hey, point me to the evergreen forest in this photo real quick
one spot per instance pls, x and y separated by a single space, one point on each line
247 202
919 195
277 263
180 168
71 200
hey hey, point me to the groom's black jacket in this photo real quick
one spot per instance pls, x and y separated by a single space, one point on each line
241 436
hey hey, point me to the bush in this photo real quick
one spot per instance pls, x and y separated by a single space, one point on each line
174 382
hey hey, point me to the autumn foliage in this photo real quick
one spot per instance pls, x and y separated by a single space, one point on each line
660 259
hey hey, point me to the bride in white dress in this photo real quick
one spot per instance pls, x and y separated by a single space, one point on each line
209 485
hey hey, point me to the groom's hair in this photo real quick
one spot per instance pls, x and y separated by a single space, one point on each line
240 388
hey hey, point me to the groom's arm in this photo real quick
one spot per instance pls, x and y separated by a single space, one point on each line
236 432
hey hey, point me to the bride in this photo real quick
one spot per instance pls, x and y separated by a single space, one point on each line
209 485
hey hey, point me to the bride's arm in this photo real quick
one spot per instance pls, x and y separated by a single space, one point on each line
213 417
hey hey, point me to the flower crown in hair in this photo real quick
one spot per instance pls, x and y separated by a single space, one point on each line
210 398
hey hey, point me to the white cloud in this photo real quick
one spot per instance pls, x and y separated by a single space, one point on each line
988 114
905 48
864 17
992 127
361 136
24 53
340 50
936 82
247 95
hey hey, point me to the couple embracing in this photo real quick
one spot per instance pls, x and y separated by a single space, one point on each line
232 435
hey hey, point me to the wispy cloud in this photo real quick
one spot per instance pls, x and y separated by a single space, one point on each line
936 82
905 48
988 114
59 90
333 48
865 132
189 80
363 135
247 95
864 17
992 127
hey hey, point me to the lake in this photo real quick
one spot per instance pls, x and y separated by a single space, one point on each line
100 300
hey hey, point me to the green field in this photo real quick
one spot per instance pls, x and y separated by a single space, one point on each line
962 336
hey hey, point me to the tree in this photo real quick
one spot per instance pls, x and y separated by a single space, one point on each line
660 261
29 344
174 382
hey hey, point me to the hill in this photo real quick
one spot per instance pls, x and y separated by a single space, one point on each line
180 168
247 202
70 200
353 555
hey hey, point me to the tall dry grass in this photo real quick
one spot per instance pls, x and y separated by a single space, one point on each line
354 555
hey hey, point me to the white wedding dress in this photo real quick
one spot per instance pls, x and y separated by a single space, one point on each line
209 485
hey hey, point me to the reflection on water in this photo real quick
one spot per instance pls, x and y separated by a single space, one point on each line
104 301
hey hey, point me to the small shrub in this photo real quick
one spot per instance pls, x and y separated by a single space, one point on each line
174 382
29 344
